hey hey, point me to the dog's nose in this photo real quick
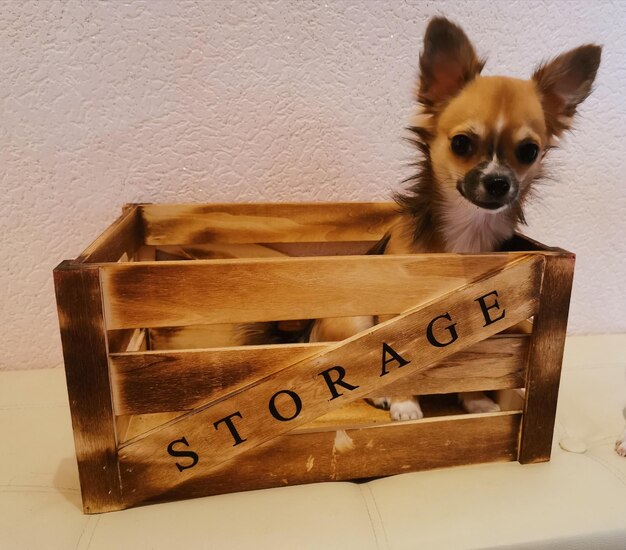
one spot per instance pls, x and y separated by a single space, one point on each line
497 186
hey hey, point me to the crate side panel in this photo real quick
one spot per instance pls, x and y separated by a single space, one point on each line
268 408
342 455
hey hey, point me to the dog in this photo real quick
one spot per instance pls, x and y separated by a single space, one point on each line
483 141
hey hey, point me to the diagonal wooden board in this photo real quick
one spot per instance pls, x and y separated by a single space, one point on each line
216 432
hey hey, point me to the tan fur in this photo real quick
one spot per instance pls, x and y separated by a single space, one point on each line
333 329
486 100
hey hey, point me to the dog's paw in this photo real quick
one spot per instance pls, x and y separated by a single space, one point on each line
620 445
405 410
478 402
379 402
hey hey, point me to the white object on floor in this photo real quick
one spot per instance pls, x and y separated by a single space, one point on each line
573 445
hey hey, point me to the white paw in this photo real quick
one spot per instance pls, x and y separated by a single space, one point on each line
480 404
405 410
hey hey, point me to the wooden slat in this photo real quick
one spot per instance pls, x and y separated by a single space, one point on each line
162 294
79 303
360 356
183 380
333 456
493 364
124 236
265 223
545 358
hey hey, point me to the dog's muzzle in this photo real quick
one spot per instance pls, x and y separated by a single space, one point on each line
490 191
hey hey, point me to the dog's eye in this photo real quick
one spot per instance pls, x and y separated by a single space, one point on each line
527 152
461 145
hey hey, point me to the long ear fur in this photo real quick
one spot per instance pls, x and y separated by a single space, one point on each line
447 63
564 83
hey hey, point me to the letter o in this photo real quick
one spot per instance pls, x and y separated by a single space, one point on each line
296 400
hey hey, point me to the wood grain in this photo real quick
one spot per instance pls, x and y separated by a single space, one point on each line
182 380
83 336
315 457
493 364
265 223
516 285
545 358
214 251
163 294
124 236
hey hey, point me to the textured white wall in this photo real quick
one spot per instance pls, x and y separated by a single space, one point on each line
109 102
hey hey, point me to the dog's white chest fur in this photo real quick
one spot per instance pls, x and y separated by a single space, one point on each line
470 229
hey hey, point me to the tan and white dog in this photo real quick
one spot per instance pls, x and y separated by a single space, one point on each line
483 141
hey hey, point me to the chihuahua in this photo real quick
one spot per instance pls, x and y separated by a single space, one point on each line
483 141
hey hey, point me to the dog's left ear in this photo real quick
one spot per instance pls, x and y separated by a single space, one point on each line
564 83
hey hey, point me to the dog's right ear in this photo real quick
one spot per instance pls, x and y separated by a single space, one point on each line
447 63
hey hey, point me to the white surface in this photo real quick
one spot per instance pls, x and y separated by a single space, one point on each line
103 103
577 501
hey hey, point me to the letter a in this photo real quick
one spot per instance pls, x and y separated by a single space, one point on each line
395 356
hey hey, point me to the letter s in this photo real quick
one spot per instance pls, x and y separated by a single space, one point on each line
189 454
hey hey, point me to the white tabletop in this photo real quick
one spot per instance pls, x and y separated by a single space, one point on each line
575 501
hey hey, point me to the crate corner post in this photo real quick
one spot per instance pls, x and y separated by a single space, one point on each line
84 342
545 358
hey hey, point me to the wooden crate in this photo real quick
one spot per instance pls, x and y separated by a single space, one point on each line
163 410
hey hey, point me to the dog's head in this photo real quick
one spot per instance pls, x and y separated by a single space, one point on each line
487 136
